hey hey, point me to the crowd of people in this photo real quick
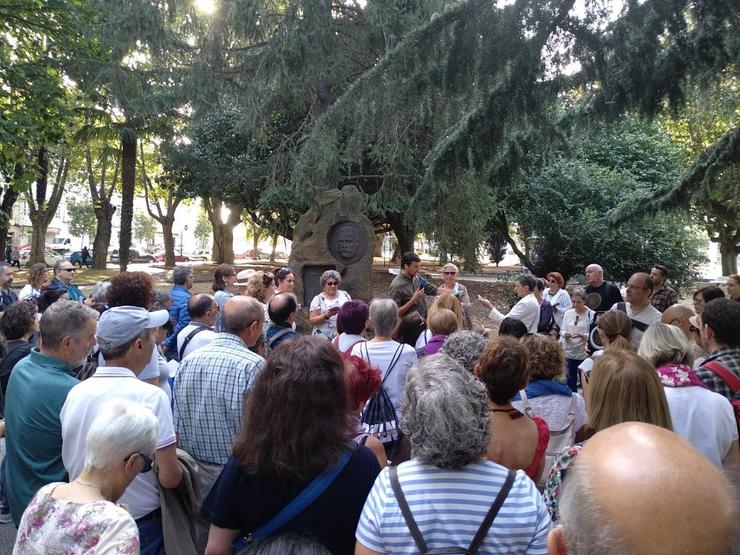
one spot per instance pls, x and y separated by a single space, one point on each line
144 420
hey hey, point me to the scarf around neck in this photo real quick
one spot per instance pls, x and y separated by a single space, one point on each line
540 388
678 375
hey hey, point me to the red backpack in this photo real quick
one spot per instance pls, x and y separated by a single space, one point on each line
732 381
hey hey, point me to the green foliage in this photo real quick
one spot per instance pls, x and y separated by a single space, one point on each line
82 221
145 228
563 208
202 229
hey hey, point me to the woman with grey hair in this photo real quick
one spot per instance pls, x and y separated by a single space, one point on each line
81 516
702 417
448 480
465 347
322 313
98 298
391 358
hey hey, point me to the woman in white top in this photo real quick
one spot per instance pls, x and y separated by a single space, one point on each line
82 517
391 358
702 417
322 313
37 280
451 286
574 329
557 296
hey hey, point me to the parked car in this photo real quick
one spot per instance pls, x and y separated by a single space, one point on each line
134 256
178 258
200 254
50 258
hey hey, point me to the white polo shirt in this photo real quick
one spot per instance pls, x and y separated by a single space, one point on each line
79 410
200 339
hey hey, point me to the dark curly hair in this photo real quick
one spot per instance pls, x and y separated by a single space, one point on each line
306 375
362 380
131 289
17 320
503 368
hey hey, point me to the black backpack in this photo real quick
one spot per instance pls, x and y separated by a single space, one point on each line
480 535
379 417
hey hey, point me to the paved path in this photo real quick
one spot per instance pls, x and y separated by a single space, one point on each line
7 538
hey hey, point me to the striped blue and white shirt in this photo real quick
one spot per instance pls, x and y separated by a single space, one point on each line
449 506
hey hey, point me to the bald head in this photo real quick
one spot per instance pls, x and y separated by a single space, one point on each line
282 308
243 316
636 488
678 315
594 275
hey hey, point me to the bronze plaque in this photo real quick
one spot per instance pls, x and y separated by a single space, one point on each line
347 242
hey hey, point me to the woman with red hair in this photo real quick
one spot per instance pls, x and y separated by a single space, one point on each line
557 296
362 382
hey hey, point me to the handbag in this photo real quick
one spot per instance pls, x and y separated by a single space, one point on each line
296 506
480 535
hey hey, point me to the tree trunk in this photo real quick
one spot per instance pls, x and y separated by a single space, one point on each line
256 233
38 229
128 182
6 206
169 241
223 232
404 233
728 250
274 246
101 243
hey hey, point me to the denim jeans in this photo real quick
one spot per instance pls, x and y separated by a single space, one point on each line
150 534
572 365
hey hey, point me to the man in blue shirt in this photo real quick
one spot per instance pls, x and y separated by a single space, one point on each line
7 295
182 277
36 393
283 310
64 274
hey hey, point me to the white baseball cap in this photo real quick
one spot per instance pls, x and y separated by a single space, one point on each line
120 324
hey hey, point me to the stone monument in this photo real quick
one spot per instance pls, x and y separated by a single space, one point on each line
334 235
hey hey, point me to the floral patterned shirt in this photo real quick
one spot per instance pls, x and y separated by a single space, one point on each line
554 483
51 525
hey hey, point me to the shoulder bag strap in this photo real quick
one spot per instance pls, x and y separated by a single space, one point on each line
190 336
480 535
312 491
396 357
525 403
725 374
406 511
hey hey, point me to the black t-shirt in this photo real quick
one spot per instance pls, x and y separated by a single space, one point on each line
245 502
609 294
17 349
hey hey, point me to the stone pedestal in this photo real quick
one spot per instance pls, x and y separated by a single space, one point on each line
334 235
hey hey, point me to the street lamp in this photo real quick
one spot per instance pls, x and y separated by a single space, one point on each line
184 229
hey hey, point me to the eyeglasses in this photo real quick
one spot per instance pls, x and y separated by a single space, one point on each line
69 269
449 273
576 322
552 281
332 283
